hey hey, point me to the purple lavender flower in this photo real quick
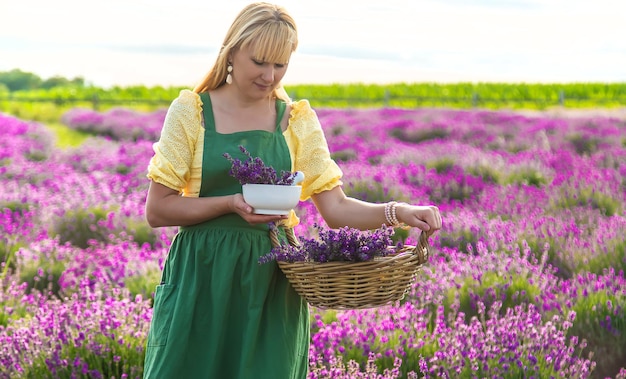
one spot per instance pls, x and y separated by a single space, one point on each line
341 245
254 171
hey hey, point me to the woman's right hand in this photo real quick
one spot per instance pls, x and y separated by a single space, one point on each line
165 207
244 210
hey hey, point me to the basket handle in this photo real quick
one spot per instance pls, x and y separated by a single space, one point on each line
289 233
423 247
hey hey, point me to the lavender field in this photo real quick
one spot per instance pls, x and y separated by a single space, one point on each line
526 281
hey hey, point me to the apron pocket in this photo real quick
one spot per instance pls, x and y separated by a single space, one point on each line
164 302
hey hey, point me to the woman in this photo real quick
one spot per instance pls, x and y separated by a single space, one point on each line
217 312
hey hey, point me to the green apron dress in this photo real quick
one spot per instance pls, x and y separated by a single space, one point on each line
218 313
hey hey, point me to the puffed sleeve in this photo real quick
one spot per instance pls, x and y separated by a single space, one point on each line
309 151
173 153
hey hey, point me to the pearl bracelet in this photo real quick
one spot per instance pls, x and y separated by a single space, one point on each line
390 214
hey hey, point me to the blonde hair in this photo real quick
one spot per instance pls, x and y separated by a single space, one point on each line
269 29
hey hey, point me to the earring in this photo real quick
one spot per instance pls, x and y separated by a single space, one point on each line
229 77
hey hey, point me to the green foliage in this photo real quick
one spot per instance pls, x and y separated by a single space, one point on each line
36 156
143 284
606 204
601 320
527 366
454 190
329 316
584 145
102 357
441 165
9 244
463 95
43 275
614 257
463 240
36 111
584 197
418 136
15 206
344 155
34 102
489 174
142 232
79 226
8 249
48 105
510 289
356 354
66 136
11 308
373 191
526 176
410 95
461 188
17 79
385 361
400 235
551 247
326 316
389 341
60 81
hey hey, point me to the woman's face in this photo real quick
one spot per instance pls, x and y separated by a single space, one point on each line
255 76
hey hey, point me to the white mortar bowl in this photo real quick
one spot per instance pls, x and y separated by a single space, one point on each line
271 199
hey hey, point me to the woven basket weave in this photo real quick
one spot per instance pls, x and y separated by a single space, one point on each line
355 285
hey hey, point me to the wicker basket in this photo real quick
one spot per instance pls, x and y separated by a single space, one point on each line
348 285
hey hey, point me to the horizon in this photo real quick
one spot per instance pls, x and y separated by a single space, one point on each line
88 83
450 41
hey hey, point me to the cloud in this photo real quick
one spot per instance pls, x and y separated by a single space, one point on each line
356 40
350 51
168 49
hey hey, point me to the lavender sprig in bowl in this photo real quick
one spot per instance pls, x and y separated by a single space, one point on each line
254 171
265 190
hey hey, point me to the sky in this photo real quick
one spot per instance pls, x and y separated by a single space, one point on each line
174 42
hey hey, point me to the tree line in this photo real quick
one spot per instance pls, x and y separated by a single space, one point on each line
17 86
18 80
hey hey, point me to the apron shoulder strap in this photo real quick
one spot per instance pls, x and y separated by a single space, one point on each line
207 111
280 112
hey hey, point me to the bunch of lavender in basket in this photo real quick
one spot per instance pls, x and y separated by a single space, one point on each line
336 245
254 171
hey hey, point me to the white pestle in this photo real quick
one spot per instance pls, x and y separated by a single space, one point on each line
298 178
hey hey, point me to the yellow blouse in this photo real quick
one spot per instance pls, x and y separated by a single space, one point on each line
177 159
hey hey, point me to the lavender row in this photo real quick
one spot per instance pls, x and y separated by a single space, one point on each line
527 277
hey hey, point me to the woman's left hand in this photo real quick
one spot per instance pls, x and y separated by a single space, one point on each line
424 217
